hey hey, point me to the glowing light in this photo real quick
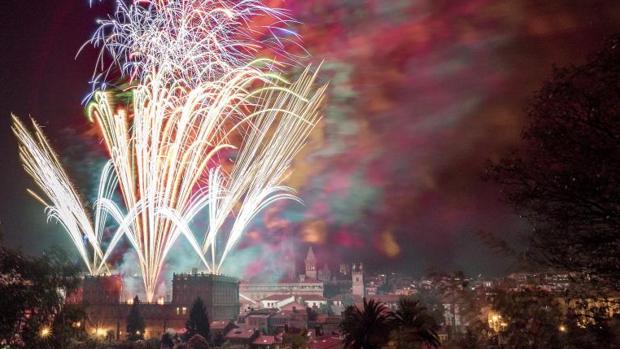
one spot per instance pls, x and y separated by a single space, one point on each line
389 245
196 92
45 332
192 41
496 322
42 164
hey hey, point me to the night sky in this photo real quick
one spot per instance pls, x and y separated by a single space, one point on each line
422 94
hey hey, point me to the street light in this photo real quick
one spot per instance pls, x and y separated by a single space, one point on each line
45 332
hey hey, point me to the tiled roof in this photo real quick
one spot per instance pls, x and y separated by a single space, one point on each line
327 342
264 340
241 333
219 324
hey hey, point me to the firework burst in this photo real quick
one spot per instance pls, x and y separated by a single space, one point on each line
196 92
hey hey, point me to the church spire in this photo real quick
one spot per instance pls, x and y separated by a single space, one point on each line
311 266
310 256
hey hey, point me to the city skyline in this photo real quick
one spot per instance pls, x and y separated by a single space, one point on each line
431 227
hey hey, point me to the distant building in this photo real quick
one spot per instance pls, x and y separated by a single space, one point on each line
219 293
106 314
241 337
262 290
265 342
311 266
102 289
357 274
277 301
325 274
315 301
326 342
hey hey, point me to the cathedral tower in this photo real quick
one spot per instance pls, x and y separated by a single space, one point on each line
311 269
357 274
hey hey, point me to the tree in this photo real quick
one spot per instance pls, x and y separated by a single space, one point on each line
368 328
167 341
198 342
312 314
295 340
32 292
589 326
135 322
198 322
535 318
565 176
68 325
527 319
413 326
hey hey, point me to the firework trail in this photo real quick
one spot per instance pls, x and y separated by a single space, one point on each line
192 41
42 164
196 91
283 123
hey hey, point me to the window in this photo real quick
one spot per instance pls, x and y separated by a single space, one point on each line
178 311
184 310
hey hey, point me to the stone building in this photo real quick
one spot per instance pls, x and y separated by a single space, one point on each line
106 315
219 293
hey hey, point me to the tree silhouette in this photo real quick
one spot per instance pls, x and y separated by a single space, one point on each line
366 328
198 342
413 326
198 322
565 176
135 321
31 295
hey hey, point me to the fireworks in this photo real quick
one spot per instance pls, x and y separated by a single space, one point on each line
196 92
42 164
188 41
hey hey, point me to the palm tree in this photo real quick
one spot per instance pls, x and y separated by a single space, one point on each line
368 328
413 326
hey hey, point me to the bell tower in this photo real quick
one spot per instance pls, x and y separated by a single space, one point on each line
311 270
357 275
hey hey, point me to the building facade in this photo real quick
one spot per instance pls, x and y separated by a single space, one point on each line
219 293
357 274
106 315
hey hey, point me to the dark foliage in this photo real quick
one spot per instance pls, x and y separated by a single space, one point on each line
68 325
534 318
31 295
198 342
366 328
565 178
198 322
167 341
295 340
135 322
413 326
312 314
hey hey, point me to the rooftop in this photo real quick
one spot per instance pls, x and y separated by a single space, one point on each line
264 340
219 324
326 342
241 333
277 297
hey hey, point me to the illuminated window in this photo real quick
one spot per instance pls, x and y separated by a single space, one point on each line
178 311
184 310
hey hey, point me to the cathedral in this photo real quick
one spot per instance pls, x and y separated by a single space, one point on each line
315 280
